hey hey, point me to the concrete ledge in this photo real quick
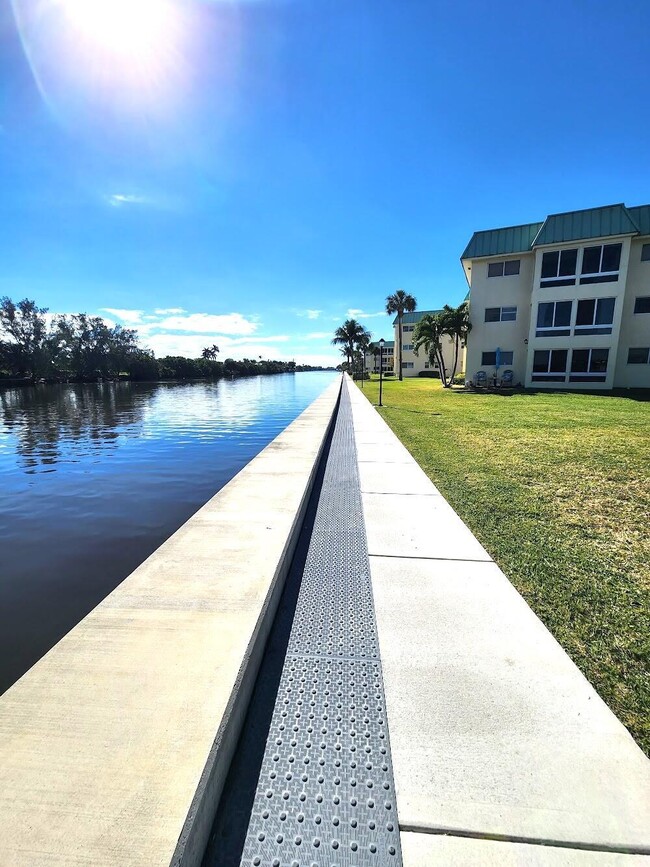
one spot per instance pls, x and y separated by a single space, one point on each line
115 745
494 731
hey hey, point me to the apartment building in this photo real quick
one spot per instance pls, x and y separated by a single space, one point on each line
372 363
563 303
412 364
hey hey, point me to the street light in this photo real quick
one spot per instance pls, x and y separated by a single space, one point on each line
381 366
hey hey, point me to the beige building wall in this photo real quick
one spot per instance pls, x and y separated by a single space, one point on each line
509 336
413 365
575 293
635 327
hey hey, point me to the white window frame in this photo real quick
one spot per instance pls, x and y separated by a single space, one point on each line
613 274
579 329
502 262
589 373
645 253
542 375
408 347
501 311
552 281
636 300
646 349
554 330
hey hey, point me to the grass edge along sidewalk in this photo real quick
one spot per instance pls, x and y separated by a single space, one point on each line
556 486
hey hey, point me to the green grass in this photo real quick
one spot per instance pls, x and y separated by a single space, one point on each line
557 488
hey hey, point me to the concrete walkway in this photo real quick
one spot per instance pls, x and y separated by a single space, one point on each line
503 753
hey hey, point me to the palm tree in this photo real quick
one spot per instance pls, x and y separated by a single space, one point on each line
363 342
210 352
455 322
427 334
400 302
375 350
347 336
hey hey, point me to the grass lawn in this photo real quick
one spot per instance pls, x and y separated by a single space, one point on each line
557 488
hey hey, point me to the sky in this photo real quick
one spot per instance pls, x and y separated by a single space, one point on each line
251 173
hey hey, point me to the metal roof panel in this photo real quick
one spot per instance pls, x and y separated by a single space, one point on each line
590 223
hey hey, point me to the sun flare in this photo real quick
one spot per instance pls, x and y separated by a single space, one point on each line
135 32
134 29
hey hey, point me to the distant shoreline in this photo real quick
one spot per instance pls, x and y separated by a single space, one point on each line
9 382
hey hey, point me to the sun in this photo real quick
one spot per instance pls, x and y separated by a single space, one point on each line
124 26
133 31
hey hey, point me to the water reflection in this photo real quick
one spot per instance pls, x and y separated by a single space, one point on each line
49 425
94 477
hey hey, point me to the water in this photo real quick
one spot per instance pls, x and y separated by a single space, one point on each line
93 478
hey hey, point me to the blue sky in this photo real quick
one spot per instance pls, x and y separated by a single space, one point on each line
251 173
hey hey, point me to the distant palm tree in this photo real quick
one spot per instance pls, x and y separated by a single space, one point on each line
428 334
210 352
347 336
362 346
400 302
455 322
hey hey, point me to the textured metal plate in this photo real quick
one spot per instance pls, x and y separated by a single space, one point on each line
325 795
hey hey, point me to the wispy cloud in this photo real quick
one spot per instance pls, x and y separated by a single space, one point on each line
309 313
208 323
129 317
318 335
355 313
168 311
119 200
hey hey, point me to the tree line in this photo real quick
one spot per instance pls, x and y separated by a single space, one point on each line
355 341
82 348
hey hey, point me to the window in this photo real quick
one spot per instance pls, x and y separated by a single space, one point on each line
638 356
549 365
408 347
489 359
595 316
426 365
500 314
559 268
589 365
554 319
600 264
407 365
406 328
645 253
504 269
642 304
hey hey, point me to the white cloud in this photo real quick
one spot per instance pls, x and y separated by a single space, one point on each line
118 200
318 335
191 345
309 314
208 323
167 311
131 317
355 313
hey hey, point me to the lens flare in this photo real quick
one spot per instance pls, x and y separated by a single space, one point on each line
106 54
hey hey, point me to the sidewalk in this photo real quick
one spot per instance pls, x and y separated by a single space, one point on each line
495 733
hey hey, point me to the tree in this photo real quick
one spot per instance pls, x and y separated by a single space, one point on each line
455 322
362 344
347 336
27 349
210 352
428 333
85 346
375 350
400 302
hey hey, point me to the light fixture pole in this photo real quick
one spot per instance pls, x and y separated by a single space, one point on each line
381 367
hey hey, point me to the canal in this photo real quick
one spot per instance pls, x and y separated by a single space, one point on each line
93 478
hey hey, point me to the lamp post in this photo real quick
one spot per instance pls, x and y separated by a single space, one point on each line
381 367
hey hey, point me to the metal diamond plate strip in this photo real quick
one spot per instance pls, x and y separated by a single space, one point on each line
325 795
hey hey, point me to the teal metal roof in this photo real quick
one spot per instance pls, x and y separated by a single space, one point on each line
602 222
502 242
412 318
591 223
641 216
